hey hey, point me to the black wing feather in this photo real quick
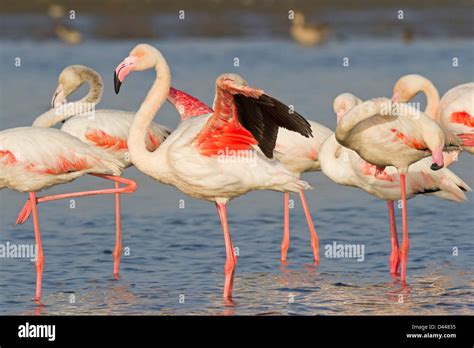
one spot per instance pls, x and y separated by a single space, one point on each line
263 116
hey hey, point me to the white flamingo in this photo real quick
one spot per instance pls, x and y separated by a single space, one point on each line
454 111
386 134
199 157
32 159
346 167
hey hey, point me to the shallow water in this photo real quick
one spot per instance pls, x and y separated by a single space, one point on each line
176 251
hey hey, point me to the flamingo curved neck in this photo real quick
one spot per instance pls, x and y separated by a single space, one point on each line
139 154
96 87
356 115
82 106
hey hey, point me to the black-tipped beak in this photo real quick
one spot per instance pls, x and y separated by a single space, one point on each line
435 166
117 83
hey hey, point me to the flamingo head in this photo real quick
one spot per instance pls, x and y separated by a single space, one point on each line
142 57
343 103
407 87
70 79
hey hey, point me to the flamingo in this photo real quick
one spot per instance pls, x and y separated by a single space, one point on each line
218 156
32 159
105 129
454 112
346 167
297 153
386 134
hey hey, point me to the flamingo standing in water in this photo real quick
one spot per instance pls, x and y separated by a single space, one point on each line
299 154
346 167
32 159
454 112
386 134
213 157
105 129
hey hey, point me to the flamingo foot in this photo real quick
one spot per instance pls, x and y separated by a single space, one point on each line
39 277
312 230
24 213
229 271
285 243
116 255
315 247
404 260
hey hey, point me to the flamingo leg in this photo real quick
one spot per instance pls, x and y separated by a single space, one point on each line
312 230
130 187
394 257
39 245
231 258
118 237
405 241
285 243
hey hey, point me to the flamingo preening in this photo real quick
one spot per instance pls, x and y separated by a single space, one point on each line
454 112
199 157
346 167
105 129
297 153
32 159
386 134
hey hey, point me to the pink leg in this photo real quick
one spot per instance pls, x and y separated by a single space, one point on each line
231 258
118 237
394 257
312 230
285 243
39 245
130 187
405 241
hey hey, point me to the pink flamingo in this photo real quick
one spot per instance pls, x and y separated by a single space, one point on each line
297 153
454 112
346 167
105 129
213 157
32 159
386 134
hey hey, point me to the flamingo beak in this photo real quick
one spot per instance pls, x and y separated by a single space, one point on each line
122 70
395 98
58 97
